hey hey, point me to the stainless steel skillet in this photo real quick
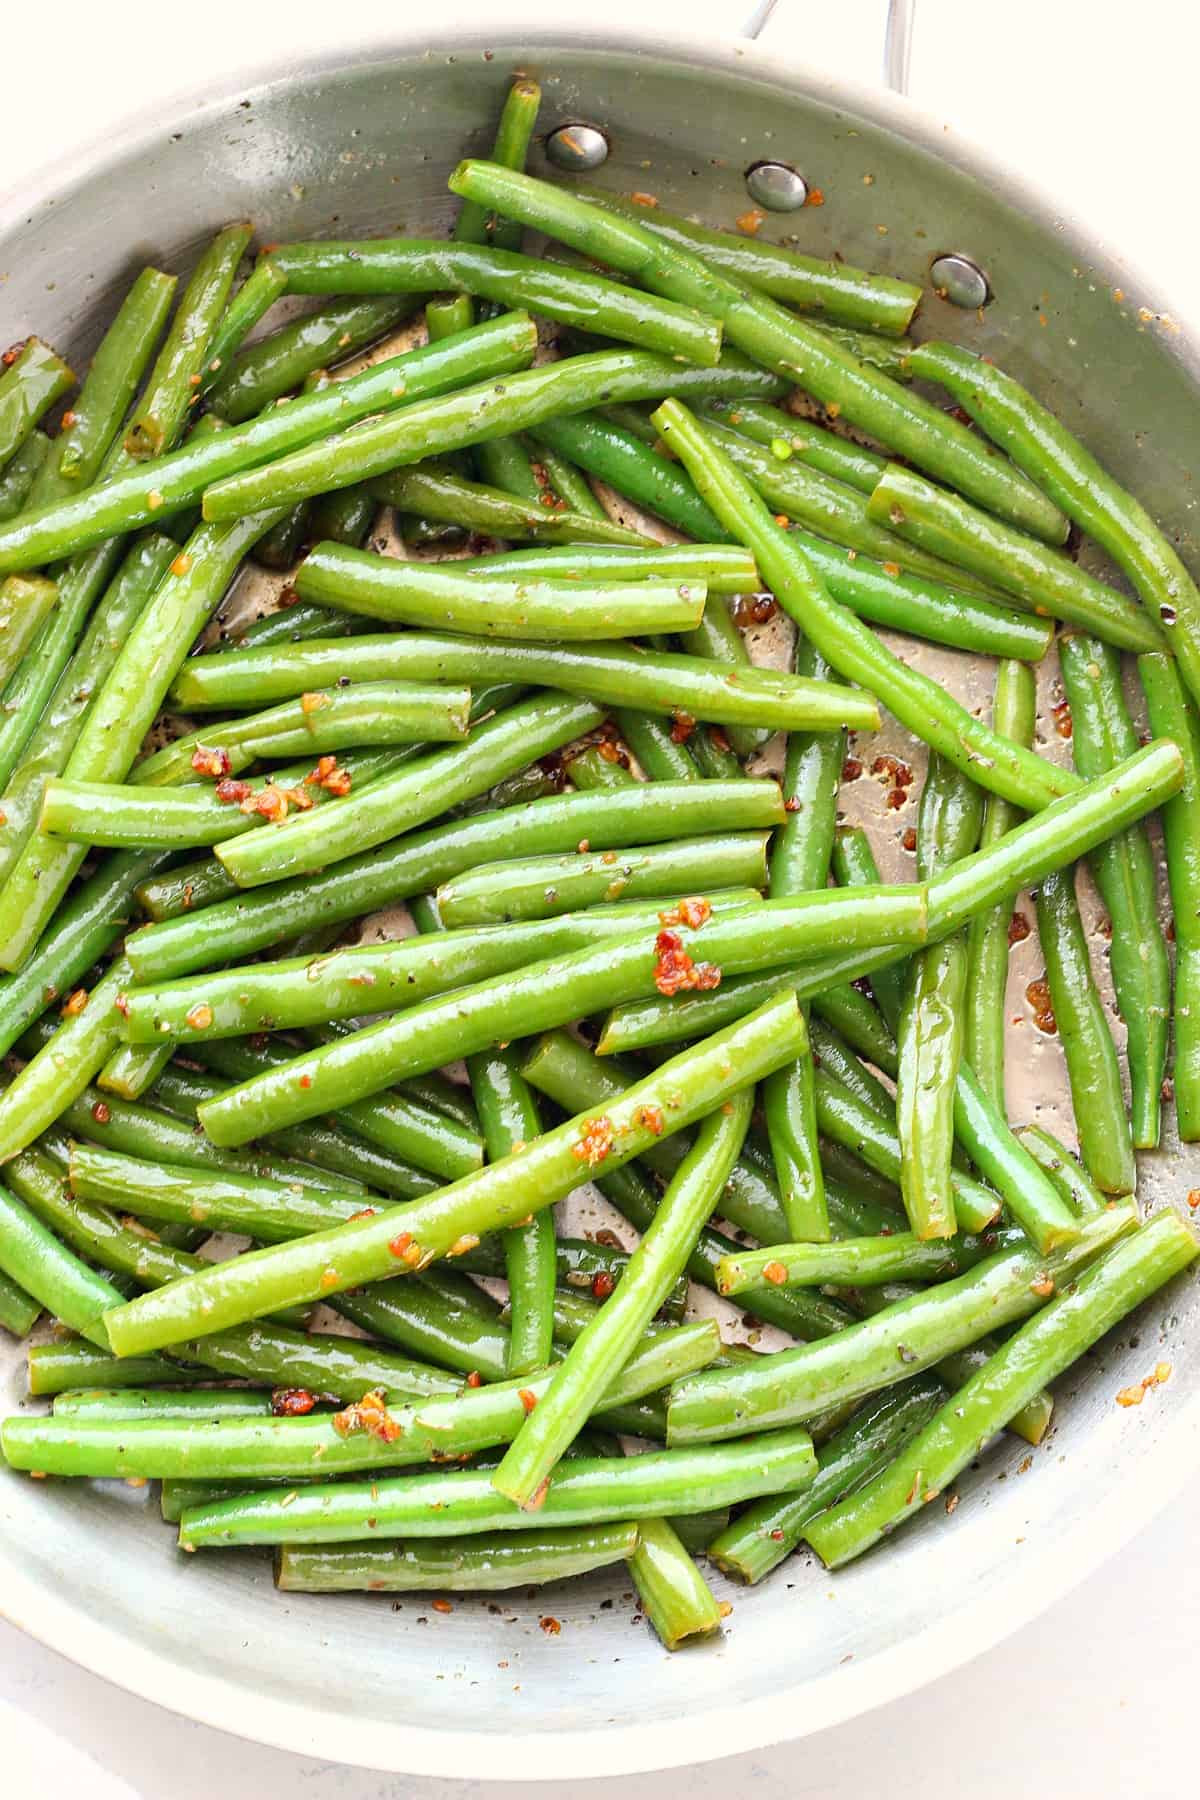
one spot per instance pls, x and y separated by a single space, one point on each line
367 137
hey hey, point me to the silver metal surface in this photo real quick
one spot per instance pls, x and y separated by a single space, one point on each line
577 148
960 280
776 186
88 1567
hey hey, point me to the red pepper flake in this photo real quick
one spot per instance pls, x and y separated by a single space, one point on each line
370 1414
682 727
1193 1198
182 563
1018 928
674 969
364 1212
311 703
233 793
892 569
608 750
595 1141
329 776
776 1274
1062 718
398 1245
718 737
893 770
644 199
1038 996
749 222
602 1284
1043 1287
650 1118
200 1016
909 840
69 418
214 762
292 1403
550 1626
694 912
102 1113
11 354
952 1504
474 1379
287 597
776 1535
793 805
815 197
528 1398
75 1003
851 769
782 520
754 609
122 1005
460 1246
270 801
306 1081
1133 1396
441 1606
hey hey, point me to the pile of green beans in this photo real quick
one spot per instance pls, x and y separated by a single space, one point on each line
508 795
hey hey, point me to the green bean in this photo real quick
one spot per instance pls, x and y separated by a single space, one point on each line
415 864
258 293
543 994
218 1199
799 861
164 485
255 377
760 1538
1068 1176
120 716
499 1195
439 598
279 548
25 602
132 1068
884 594
930 1031
1172 714
1123 869
603 1349
719 639
507 464
725 568
1049 1343
660 753
584 1491
19 1311
902 1340
561 1067
1076 481
1082 1025
34 378
835 512
60 1071
141 1403
20 472
1044 580
582 1267
398 1124
424 265
591 772
854 865
519 402
175 381
844 1119
99 409
477 506
635 469
565 480
673 1593
488 1563
911 426
848 646
460 1330
855 296
35 1260
787 435
68 1363
859 1261
54 737
616 675
413 795
509 1116
342 518
542 887
1014 709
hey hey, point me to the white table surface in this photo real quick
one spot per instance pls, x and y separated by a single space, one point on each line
1095 1697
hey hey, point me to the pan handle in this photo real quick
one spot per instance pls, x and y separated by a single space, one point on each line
872 38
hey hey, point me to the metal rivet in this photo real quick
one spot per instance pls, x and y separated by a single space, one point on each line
577 147
960 280
777 186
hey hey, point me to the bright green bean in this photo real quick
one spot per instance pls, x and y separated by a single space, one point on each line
487 1563
1173 715
255 377
175 380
